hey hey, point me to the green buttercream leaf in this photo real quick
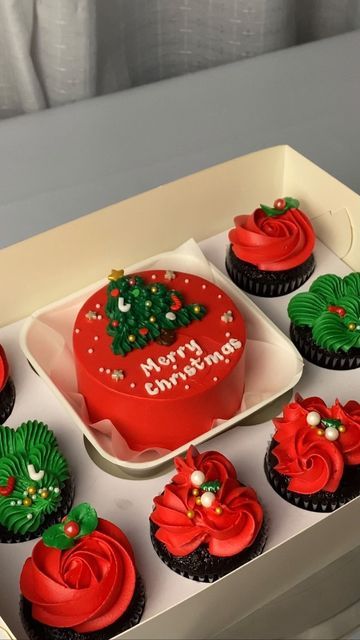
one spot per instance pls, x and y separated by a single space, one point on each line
55 537
31 433
292 203
329 287
270 211
330 332
305 308
352 284
85 516
7 440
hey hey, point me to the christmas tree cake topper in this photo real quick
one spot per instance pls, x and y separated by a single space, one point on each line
139 313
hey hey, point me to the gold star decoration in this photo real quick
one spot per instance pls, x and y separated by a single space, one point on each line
116 274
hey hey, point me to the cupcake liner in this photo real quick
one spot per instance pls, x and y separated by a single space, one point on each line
37 631
341 361
7 401
267 284
67 497
200 565
321 501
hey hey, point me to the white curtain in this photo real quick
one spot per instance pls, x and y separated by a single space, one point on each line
58 51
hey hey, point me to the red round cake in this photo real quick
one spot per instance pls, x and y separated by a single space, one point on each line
160 354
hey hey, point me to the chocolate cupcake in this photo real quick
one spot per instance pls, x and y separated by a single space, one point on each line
81 581
325 322
271 250
36 487
7 388
206 523
313 460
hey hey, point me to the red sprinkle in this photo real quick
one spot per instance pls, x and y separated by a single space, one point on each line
339 310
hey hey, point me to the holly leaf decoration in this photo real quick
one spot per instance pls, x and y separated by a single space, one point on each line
291 203
84 515
211 485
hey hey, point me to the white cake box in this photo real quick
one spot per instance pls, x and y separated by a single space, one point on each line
63 261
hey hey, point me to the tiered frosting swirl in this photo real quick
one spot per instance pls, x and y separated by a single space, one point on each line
206 504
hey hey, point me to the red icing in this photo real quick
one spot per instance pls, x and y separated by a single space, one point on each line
7 489
4 368
85 588
273 243
178 414
226 534
312 462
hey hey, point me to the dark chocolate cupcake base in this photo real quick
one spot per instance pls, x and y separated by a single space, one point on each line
320 502
7 401
67 498
200 565
340 360
37 631
268 284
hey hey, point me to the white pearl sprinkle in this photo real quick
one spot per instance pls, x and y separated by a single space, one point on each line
25 493
313 418
97 306
107 370
203 286
51 488
187 387
331 433
227 360
153 276
186 280
99 317
227 334
90 350
174 366
215 379
77 330
18 502
13 503
197 478
219 296
29 516
56 490
96 337
133 385
101 369
207 499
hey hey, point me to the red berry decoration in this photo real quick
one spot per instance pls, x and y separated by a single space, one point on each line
143 331
71 529
279 204
132 282
177 304
115 323
114 293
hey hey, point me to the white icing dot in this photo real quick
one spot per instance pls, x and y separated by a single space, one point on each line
227 334
215 379
107 370
174 366
187 387
51 488
98 306
25 493
34 497
153 276
56 490
18 502
96 337
99 317
219 296
133 385
90 350
227 360
101 369
77 330
29 516
13 503
203 286
186 280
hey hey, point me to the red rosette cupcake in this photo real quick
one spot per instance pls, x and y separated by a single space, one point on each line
313 460
270 252
81 581
7 388
206 523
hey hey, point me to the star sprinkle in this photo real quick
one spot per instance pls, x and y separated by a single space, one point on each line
91 315
169 275
227 317
117 375
116 274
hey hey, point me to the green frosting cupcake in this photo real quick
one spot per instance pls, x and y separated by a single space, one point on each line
35 483
331 310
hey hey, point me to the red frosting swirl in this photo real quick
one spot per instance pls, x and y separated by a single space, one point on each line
312 462
273 243
4 368
213 464
85 588
226 533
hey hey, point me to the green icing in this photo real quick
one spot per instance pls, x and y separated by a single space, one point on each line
272 212
31 444
84 515
331 308
146 307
